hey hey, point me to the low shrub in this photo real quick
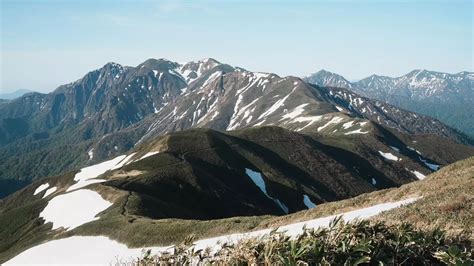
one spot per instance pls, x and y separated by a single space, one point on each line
355 243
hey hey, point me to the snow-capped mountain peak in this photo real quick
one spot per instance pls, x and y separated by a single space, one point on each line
448 97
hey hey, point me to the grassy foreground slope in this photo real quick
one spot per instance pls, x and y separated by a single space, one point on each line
446 202
406 235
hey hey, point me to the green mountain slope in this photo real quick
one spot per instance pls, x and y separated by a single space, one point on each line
207 177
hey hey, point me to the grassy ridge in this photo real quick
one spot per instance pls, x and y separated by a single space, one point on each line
447 200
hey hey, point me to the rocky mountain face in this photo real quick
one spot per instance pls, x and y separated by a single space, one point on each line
113 109
448 97
202 174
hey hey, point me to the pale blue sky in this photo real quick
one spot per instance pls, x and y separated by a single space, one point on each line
48 43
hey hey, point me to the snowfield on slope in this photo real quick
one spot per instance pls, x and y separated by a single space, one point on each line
88 175
73 209
101 250
388 156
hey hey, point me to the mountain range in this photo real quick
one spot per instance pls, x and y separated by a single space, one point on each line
201 147
115 108
447 97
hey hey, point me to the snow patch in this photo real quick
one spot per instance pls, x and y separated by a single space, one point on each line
73 209
49 192
417 174
148 155
296 112
432 166
357 131
307 202
311 119
389 156
257 179
85 174
297 228
276 105
41 188
348 124
211 78
78 250
91 154
334 120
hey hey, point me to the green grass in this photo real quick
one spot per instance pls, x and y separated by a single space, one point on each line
445 203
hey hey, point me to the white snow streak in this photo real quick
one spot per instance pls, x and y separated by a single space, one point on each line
91 153
334 120
417 174
49 192
432 166
211 78
389 156
41 188
348 124
358 131
311 119
148 155
257 179
307 202
276 105
296 112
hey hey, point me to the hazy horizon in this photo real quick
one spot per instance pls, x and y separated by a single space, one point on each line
56 42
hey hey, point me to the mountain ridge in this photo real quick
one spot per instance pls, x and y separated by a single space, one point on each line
427 92
112 109
203 174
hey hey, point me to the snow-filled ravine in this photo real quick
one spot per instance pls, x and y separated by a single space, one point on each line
104 251
260 183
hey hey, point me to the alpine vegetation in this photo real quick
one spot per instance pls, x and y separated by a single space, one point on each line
341 243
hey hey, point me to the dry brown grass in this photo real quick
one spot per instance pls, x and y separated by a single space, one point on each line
447 202
121 173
